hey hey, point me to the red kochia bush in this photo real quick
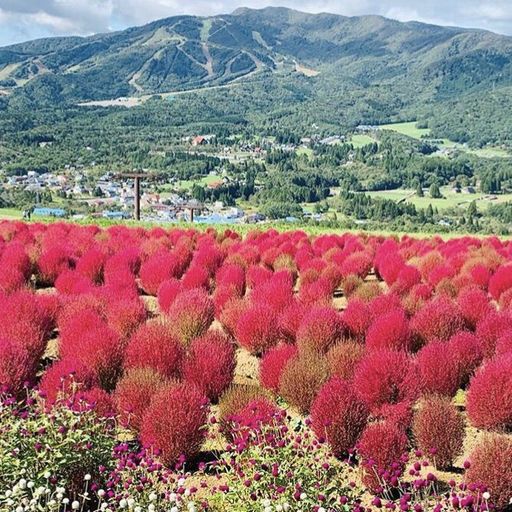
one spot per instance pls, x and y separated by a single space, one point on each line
501 281
153 345
52 262
174 423
438 370
133 395
156 269
357 318
191 314
491 467
167 293
17 367
272 365
65 378
290 319
490 329
440 318
438 430
381 448
467 351
320 329
338 415
384 376
210 364
489 397
257 329
390 331
474 305
125 314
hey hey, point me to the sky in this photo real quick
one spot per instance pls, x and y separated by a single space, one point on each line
22 20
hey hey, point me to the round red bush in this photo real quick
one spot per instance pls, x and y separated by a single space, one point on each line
191 314
167 293
321 328
467 352
438 319
257 328
385 377
438 370
157 269
390 331
490 329
491 468
381 449
338 415
210 364
474 305
501 281
174 423
357 319
154 346
133 395
17 367
272 365
439 430
489 396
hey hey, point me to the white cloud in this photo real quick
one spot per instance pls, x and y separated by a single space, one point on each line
22 19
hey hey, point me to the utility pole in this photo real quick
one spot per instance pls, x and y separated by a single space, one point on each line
136 176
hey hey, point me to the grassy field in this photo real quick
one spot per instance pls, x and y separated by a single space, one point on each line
360 139
10 214
411 130
305 151
450 199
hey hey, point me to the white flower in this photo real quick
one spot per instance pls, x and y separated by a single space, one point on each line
187 492
172 496
65 501
30 484
87 477
303 496
151 507
266 503
75 505
321 509
267 509
19 509
59 496
152 496
47 474
175 509
61 490
181 482
123 503
486 496
279 508
191 507
22 483
286 506
8 493
101 493
137 509
131 503
104 506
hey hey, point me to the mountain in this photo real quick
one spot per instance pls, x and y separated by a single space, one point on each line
187 52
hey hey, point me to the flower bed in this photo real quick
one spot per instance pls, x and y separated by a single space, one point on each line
185 370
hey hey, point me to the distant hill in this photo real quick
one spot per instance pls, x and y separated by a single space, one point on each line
341 70
188 52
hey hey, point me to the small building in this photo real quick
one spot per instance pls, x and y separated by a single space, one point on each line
199 141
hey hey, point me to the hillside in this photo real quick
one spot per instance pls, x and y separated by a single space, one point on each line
271 71
188 52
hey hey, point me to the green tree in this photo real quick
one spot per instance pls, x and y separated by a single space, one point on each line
434 191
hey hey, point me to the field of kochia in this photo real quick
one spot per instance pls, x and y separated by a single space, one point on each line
179 370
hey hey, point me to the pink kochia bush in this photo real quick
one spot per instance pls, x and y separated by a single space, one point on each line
210 364
385 377
489 396
321 328
191 314
17 367
339 416
257 329
154 346
175 422
273 363
390 331
381 449
438 319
